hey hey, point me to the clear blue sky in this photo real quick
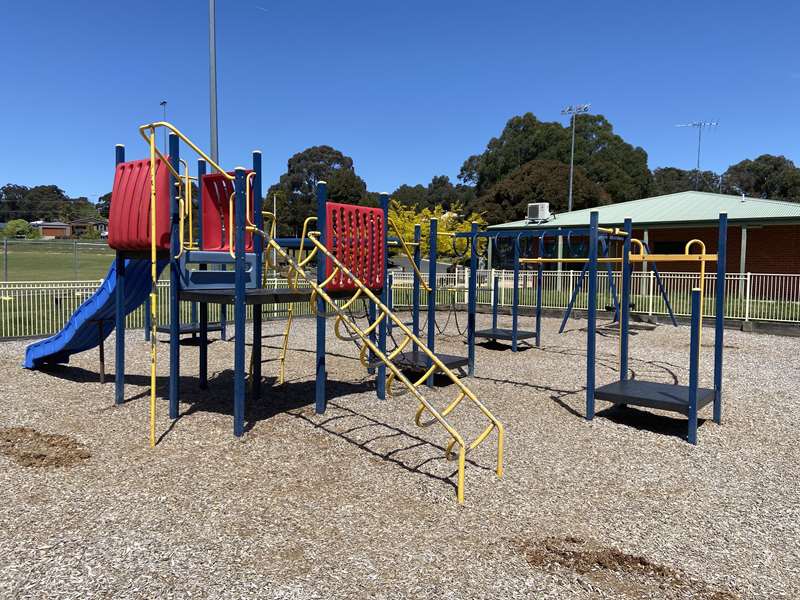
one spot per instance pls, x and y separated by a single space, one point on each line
408 89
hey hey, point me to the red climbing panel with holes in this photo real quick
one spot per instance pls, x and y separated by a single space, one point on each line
215 204
129 215
356 236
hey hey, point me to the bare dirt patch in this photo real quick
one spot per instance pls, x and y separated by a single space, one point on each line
614 571
30 448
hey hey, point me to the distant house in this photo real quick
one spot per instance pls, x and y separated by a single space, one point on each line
52 229
81 226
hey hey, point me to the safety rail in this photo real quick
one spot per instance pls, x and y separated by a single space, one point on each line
396 374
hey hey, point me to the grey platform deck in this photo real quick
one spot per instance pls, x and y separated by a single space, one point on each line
501 333
663 396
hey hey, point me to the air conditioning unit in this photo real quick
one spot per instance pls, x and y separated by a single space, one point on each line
538 211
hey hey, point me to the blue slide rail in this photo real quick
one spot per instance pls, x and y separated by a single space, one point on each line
94 319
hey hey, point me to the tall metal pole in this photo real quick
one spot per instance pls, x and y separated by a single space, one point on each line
164 118
573 112
212 77
571 165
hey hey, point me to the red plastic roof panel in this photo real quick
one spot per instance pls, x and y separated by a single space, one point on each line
215 204
129 215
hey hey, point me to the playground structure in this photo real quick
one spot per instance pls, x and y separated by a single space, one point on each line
151 211
341 259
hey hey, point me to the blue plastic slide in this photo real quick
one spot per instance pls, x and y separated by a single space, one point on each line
95 316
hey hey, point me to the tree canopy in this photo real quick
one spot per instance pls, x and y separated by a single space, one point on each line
619 168
540 181
46 202
768 176
295 191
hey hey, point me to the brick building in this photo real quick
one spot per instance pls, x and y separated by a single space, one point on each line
763 235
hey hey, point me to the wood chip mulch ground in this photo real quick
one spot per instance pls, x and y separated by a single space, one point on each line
360 503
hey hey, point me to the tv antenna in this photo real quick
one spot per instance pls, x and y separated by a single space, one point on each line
700 125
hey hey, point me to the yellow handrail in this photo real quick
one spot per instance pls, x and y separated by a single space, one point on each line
153 288
455 438
155 125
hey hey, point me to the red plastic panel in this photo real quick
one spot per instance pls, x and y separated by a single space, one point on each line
355 236
215 204
129 216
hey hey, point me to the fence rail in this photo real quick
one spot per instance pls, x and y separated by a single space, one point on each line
40 308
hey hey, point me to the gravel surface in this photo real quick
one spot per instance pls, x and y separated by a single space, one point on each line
359 503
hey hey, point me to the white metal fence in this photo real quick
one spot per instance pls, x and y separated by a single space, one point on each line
43 307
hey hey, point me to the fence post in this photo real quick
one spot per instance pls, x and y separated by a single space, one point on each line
5 260
747 297
650 279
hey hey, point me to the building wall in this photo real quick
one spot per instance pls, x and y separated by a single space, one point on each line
770 249
57 232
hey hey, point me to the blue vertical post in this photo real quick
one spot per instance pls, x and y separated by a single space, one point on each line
432 277
174 284
322 266
472 298
719 318
239 304
625 301
258 245
694 366
495 299
372 314
147 319
539 285
591 323
380 384
515 297
119 312
416 289
203 370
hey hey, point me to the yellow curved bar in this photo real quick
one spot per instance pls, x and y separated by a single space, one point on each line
448 409
155 125
284 349
409 255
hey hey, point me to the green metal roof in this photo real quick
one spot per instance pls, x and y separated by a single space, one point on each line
683 208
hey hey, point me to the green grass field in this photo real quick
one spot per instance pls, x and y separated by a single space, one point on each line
55 261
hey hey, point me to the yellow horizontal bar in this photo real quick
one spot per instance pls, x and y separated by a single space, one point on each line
533 261
673 257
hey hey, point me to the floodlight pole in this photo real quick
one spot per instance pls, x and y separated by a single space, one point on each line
212 77
573 112
164 118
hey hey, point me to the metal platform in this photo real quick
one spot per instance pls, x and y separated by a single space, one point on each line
192 328
417 362
257 295
663 396
500 333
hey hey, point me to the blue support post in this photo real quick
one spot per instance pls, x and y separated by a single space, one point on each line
575 291
119 312
591 324
495 299
147 319
258 244
322 266
203 367
625 300
174 283
380 384
239 306
719 318
390 300
372 314
472 298
539 285
432 272
515 297
694 366
416 290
